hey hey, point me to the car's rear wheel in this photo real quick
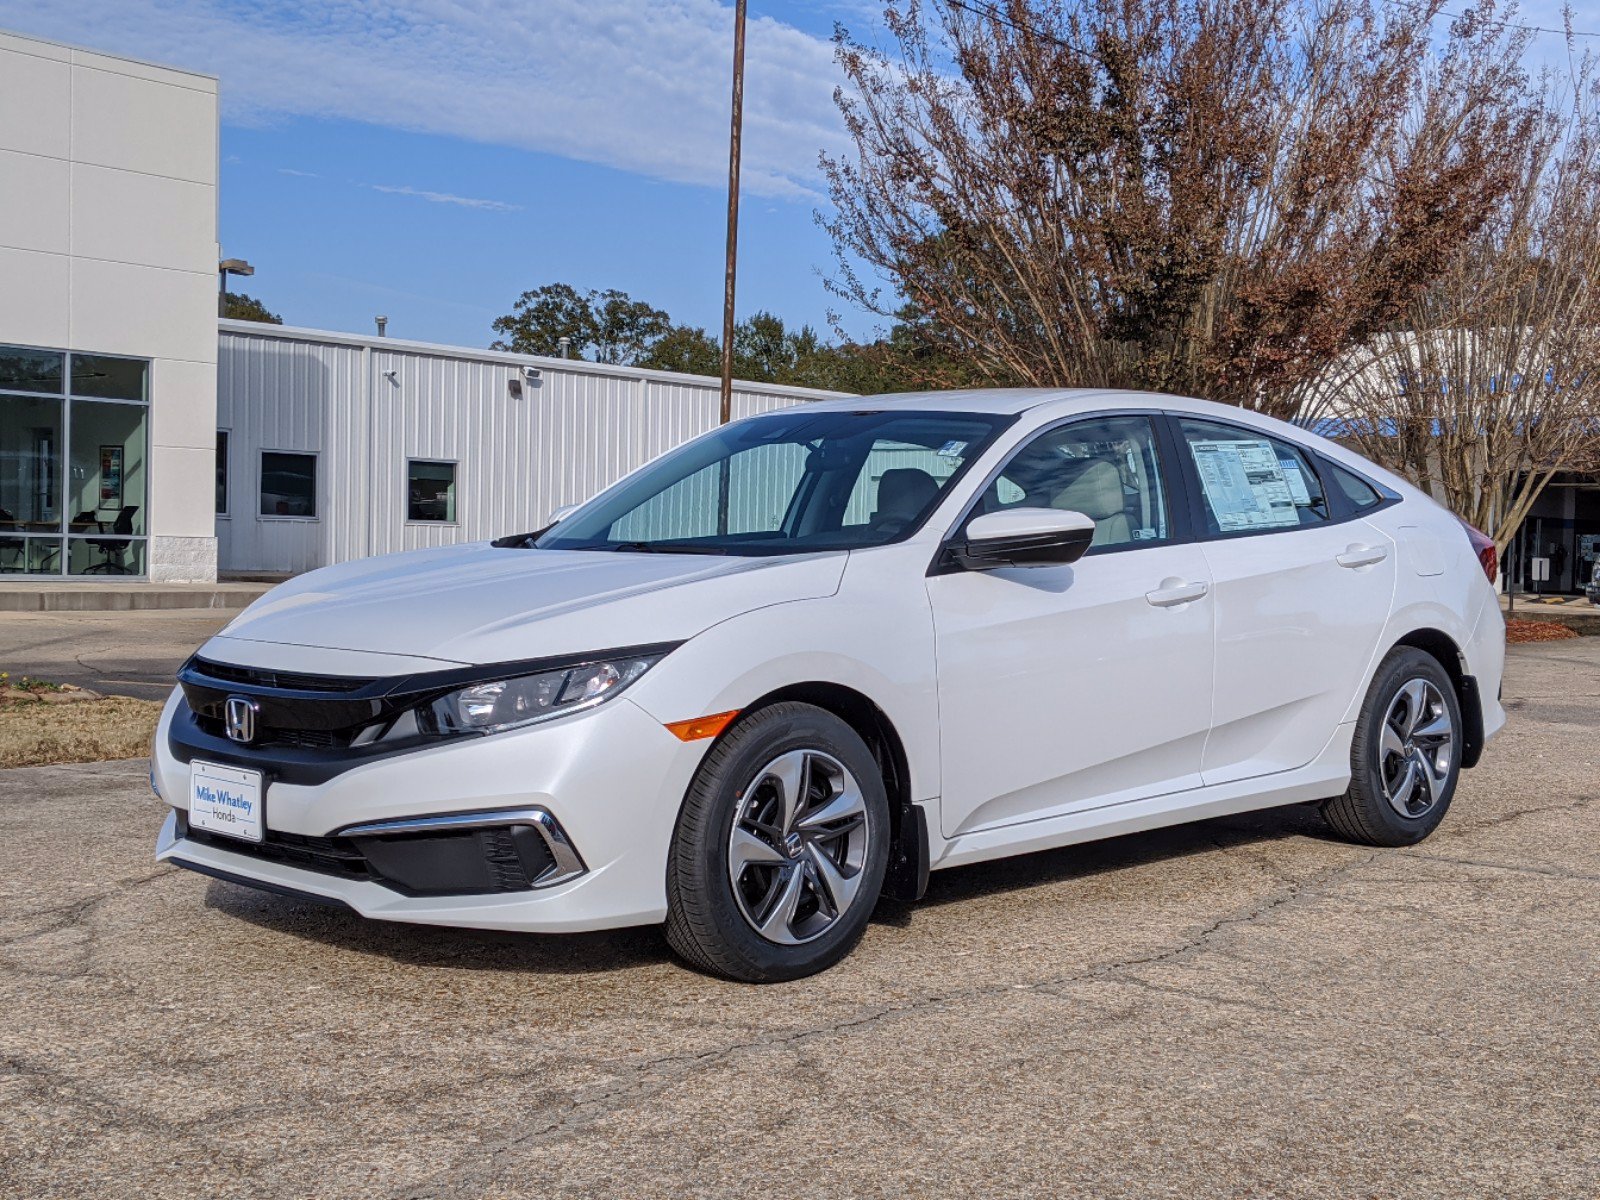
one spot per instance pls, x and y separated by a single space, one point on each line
1405 757
780 849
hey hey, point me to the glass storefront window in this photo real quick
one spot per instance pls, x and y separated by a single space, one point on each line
105 556
431 491
30 464
107 378
23 370
106 484
71 465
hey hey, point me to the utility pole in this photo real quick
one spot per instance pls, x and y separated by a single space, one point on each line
734 137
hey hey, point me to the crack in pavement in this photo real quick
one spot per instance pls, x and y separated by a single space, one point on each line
650 1077
1548 872
59 1088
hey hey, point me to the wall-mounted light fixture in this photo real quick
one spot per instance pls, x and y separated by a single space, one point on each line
528 376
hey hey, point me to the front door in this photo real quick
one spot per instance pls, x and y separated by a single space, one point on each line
1071 687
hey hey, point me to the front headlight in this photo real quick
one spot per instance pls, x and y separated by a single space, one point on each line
526 699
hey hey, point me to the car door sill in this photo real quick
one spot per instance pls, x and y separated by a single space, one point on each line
1327 776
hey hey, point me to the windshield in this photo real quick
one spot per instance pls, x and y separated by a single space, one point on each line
785 483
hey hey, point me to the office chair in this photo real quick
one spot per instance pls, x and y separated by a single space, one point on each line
114 552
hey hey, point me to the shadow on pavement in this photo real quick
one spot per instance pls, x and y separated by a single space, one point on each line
438 946
591 953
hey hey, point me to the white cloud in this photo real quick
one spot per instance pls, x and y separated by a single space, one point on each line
297 174
446 198
641 85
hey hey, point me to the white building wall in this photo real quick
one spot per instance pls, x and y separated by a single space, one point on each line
367 406
108 244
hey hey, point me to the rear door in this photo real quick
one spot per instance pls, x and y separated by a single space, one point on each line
1302 588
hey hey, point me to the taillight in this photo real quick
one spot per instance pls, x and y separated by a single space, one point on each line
1483 547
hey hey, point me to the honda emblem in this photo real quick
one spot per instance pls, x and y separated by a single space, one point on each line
240 716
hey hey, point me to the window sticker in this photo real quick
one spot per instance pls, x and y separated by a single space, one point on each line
951 450
1245 484
1298 491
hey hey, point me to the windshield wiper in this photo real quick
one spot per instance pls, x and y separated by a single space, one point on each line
667 548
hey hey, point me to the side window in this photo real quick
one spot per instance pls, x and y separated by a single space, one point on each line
1105 467
899 480
1361 494
1250 483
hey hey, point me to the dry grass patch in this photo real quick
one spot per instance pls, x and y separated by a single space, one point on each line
34 733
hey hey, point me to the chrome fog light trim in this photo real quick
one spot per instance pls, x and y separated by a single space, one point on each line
568 863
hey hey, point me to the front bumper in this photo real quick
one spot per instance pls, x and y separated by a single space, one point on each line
611 780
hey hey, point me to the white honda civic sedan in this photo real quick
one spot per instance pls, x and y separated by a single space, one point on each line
802 661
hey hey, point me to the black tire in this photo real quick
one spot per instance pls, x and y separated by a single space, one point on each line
706 924
1366 813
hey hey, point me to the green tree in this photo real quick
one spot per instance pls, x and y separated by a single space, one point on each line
609 327
241 307
687 349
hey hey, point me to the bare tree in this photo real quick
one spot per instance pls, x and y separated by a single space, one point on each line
1199 196
1489 385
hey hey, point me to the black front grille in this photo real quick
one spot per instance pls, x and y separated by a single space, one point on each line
300 739
288 681
325 855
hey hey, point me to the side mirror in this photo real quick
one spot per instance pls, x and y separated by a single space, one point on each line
1023 537
560 514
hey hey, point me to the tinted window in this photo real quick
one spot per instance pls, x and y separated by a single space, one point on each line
1105 468
1250 483
431 491
785 483
1358 491
109 378
222 472
288 484
30 370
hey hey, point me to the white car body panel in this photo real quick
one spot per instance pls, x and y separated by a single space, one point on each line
1064 688
1036 707
1296 632
474 603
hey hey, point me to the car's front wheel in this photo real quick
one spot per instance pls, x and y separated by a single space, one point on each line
1405 757
780 849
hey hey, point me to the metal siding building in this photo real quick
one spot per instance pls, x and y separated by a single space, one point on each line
367 407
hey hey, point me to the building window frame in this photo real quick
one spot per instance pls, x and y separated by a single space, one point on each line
455 485
225 473
316 485
57 546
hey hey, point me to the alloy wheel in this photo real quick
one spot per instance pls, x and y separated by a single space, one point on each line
1416 748
798 846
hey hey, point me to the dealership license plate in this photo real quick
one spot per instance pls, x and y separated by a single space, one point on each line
226 800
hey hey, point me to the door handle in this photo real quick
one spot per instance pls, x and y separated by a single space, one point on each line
1176 591
1361 556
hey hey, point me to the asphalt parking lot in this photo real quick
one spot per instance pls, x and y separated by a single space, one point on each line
114 653
1240 1008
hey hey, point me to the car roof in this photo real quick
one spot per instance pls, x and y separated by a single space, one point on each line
1012 401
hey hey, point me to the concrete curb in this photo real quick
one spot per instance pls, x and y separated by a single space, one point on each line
134 598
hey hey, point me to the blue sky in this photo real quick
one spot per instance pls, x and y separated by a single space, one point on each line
430 159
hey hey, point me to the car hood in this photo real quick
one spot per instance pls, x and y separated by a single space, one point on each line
479 603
